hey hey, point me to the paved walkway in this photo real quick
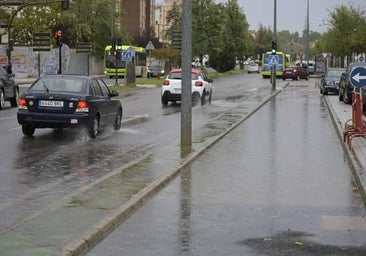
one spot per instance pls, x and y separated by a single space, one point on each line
341 113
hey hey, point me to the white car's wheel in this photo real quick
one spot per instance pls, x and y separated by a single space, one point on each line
2 99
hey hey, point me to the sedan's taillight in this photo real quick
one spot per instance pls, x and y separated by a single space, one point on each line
166 82
82 106
198 83
22 104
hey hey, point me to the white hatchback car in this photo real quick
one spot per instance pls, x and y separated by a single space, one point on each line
172 87
253 68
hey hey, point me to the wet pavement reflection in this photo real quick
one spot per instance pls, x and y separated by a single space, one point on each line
278 184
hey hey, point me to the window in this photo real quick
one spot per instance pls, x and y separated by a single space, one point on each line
96 88
104 88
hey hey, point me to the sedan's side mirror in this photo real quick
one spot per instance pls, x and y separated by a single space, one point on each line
114 94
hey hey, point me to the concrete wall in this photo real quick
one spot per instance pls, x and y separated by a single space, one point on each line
27 63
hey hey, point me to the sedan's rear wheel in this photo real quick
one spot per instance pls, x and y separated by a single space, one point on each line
94 127
118 121
28 130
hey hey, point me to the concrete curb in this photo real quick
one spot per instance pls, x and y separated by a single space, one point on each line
90 238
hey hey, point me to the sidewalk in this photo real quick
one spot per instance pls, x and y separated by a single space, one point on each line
25 80
340 113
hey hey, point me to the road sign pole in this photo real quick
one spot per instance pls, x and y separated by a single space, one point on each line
186 107
274 77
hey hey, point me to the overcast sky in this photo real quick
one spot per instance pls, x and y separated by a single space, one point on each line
291 14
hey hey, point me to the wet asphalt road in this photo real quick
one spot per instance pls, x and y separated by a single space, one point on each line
47 182
278 184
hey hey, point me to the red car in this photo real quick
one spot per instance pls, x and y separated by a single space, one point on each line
295 73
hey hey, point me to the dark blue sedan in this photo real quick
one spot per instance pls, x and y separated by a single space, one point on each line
64 101
329 82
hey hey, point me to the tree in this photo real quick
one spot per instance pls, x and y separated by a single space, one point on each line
207 27
236 28
85 21
340 40
263 40
33 18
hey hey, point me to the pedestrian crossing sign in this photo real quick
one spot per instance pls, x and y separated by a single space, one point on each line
127 56
273 59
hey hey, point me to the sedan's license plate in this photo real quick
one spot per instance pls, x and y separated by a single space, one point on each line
177 89
51 103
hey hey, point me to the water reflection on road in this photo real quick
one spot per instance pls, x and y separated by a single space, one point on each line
279 184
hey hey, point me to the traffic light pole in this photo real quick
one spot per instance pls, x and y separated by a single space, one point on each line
274 46
60 59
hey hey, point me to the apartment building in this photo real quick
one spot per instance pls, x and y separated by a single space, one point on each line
161 23
138 17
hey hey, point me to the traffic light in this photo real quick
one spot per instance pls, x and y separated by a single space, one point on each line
64 4
119 48
113 50
58 35
119 44
274 46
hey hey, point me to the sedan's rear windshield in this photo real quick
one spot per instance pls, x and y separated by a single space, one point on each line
178 76
60 85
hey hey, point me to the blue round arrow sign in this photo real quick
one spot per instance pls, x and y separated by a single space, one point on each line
358 77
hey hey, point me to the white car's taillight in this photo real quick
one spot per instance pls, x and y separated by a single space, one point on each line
198 83
166 82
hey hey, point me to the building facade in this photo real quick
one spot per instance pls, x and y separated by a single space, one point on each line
138 17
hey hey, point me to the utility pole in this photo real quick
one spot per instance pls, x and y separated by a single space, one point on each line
186 107
307 35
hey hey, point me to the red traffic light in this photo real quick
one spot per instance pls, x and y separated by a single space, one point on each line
58 33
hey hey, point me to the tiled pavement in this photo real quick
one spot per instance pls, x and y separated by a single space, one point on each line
357 155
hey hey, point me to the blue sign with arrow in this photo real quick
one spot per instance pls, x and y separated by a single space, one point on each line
358 77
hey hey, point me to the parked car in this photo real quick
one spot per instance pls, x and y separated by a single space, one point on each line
253 68
295 73
9 89
156 69
329 82
64 101
345 86
172 87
